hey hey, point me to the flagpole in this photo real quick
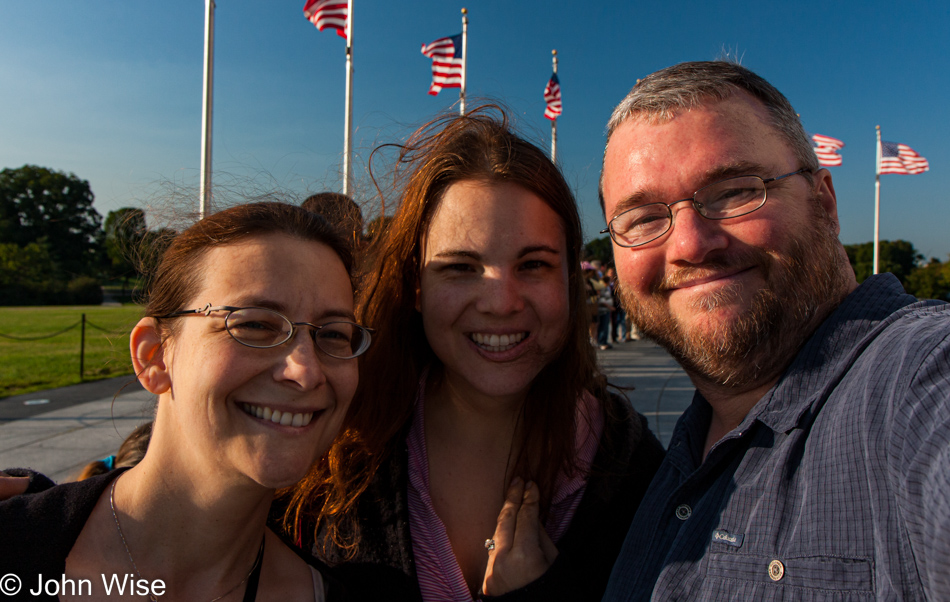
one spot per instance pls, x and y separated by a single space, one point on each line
554 121
348 106
464 58
204 199
877 201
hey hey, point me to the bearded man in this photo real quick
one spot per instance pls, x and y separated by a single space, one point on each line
814 461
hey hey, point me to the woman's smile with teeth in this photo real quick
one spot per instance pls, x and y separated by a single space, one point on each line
278 417
497 342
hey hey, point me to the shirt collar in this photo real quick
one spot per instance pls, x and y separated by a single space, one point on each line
828 353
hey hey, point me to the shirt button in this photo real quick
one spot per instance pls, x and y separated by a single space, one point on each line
683 511
776 570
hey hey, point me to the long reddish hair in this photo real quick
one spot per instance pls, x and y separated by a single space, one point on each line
478 146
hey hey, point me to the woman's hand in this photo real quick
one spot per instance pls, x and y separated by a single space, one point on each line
523 551
11 486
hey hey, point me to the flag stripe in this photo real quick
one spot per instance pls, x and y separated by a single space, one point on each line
827 158
826 149
827 141
446 55
325 14
901 159
552 96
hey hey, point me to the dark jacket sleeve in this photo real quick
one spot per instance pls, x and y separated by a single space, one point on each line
38 481
629 456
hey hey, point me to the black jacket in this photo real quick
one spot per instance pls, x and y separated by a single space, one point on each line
38 531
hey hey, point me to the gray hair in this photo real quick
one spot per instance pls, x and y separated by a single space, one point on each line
660 95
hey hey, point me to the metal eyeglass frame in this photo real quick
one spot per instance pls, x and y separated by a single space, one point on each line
207 309
698 206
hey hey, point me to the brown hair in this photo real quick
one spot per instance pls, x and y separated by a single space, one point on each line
341 211
478 146
130 453
658 96
178 276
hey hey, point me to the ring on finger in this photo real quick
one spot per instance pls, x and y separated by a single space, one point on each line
489 544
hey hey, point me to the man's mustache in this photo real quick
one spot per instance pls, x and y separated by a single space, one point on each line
732 262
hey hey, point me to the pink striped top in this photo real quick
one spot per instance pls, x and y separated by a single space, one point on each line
440 577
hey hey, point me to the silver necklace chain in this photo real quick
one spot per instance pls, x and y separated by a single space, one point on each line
136 568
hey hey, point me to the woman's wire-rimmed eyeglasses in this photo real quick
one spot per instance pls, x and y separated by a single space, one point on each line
725 199
263 328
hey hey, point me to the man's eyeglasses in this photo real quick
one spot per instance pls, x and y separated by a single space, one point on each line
732 197
264 328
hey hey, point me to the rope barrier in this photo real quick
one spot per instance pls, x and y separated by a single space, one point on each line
88 323
82 339
45 336
67 329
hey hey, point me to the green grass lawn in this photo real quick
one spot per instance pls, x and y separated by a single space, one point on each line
27 366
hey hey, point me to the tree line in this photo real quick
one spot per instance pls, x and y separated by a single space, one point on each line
923 278
55 248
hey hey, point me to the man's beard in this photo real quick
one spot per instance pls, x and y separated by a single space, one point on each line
802 284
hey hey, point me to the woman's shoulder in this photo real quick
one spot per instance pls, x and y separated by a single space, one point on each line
292 573
628 448
627 458
43 527
69 502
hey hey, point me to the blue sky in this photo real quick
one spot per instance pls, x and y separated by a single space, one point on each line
111 90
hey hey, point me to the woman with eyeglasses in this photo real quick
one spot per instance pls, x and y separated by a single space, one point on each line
483 455
249 342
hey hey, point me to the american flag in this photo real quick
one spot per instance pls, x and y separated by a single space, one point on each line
552 96
446 55
327 13
826 148
901 159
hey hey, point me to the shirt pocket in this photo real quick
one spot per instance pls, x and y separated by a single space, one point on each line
804 578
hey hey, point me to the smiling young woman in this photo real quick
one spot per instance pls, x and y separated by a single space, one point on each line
253 367
481 414
493 289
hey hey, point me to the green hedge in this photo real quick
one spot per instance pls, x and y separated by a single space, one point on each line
79 291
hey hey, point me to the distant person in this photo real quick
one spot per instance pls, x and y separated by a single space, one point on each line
341 211
618 318
130 453
814 461
591 294
603 306
249 342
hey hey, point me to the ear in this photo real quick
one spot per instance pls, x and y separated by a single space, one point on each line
148 357
825 192
418 296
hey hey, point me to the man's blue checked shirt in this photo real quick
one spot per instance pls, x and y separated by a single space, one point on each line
836 486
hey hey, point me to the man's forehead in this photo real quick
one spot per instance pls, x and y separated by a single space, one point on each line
665 114
704 142
738 112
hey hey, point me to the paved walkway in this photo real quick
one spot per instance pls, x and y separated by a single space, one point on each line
74 432
661 390
61 442
16 407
